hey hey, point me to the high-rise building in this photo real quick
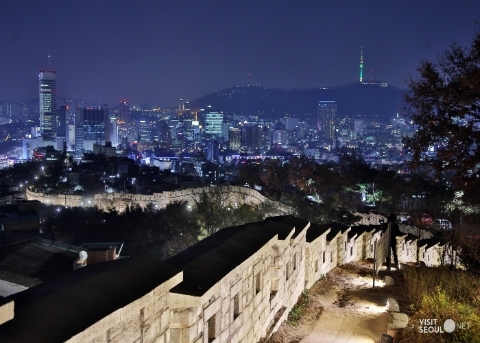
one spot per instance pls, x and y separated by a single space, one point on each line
213 150
113 124
358 127
279 134
48 101
213 123
124 110
326 118
145 130
90 124
251 134
62 121
234 138
164 135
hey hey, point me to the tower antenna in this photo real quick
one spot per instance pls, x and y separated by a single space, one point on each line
361 64
49 64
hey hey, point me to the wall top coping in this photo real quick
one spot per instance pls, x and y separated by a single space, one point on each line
335 230
208 261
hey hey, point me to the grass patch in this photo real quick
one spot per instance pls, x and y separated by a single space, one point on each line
299 309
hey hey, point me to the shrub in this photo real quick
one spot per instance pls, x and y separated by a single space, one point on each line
441 294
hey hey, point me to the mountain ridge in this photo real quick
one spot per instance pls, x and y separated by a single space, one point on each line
372 101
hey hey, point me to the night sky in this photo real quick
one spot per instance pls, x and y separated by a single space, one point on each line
155 52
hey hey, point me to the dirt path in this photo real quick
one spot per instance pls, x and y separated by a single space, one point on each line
343 308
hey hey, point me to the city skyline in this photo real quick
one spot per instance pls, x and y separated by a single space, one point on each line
157 53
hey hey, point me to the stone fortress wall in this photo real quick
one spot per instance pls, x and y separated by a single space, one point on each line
239 284
235 195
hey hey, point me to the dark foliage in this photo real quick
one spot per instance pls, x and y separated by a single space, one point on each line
444 101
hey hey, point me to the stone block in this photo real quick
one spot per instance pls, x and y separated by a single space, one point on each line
250 336
116 330
189 334
386 339
226 302
236 288
159 301
175 335
389 281
398 321
392 305
224 336
211 309
165 320
151 329
101 339
7 312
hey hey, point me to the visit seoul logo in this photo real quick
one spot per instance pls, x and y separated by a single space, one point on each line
434 326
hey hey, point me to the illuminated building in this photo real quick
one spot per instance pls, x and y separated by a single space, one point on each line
124 110
327 115
213 123
61 127
90 124
48 101
234 138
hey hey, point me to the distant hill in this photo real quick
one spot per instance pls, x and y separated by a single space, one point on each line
355 100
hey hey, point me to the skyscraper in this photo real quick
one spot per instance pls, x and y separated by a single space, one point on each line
213 123
90 124
48 101
124 110
326 118
234 137
61 126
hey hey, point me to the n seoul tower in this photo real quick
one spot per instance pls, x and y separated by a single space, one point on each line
361 64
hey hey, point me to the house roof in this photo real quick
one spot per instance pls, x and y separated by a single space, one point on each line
33 261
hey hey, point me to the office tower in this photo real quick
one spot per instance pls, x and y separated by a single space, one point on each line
213 123
265 139
124 110
61 134
164 135
279 134
90 124
358 127
290 123
326 118
181 108
145 131
113 123
213 150
49 127
234 138
251 134
48 100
